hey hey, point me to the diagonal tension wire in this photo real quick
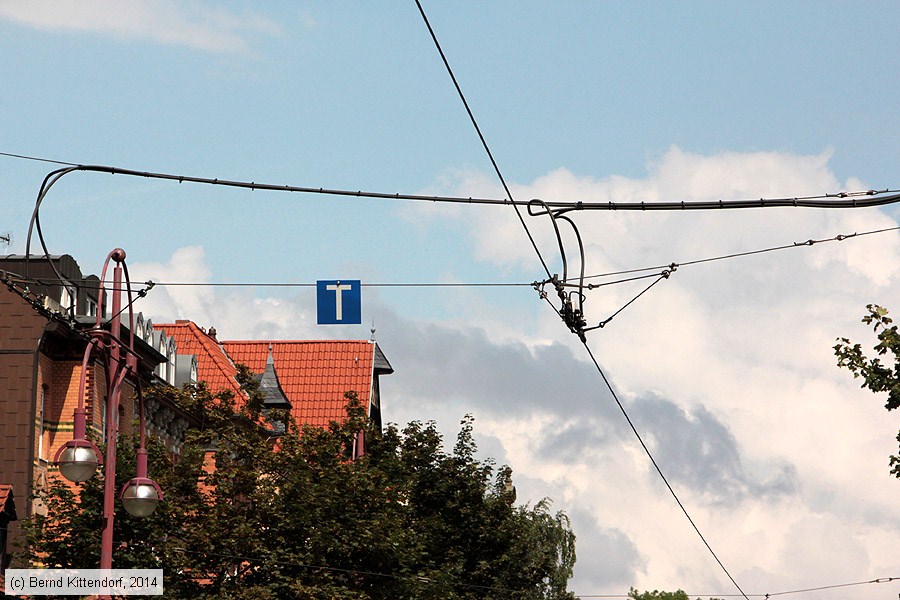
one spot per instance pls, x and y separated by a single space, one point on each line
658 469
621 407
603 323
484 143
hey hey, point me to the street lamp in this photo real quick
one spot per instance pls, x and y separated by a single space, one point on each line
141 495
78 459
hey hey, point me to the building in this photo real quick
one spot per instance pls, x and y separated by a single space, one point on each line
313 374
46 312
44 320
7 515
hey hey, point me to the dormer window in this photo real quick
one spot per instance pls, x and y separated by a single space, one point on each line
139 326
149 331
171 353
163 366
67 298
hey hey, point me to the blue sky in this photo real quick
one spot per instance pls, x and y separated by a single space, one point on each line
579 101
326 94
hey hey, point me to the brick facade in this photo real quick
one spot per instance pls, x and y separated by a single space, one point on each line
21 329
40 369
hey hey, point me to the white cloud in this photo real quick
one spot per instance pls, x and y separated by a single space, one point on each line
746 342
726 368
193 24
166 302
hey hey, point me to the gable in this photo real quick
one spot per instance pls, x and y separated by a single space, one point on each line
214 367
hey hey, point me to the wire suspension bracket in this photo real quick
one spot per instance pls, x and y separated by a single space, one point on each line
570 291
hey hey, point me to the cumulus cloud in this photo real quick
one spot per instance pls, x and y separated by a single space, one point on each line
186 266
726 369
698 451
192 24
726 366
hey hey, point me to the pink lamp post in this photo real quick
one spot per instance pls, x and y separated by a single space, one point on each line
79 458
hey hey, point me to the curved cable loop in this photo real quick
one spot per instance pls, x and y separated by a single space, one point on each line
579 293
572 303
546 211
51 178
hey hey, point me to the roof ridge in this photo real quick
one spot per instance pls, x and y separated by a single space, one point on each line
215 353
297 342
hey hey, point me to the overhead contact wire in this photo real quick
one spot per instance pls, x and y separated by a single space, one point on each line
810 242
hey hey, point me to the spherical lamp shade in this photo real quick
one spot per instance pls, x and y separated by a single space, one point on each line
140 496
77 461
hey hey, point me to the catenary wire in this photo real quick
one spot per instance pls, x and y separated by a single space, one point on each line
581 206
769 595
794 245
832 587
38 159
810 201
611 206
854 199
666 271
605 322
656 271
55 281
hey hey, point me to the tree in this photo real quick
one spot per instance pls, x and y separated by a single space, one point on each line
657 595
295 517
876 375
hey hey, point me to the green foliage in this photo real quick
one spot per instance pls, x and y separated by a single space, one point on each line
295 517
657 595
876 375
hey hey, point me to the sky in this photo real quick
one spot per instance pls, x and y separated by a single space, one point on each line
726 367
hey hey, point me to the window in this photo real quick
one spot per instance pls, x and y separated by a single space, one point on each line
67 298
163 366
40 420
171 353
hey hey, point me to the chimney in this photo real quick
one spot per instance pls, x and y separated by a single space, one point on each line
212 334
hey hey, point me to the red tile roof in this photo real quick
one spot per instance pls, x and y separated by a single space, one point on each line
213 365
313 374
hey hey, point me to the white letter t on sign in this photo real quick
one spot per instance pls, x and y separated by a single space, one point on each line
338 289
